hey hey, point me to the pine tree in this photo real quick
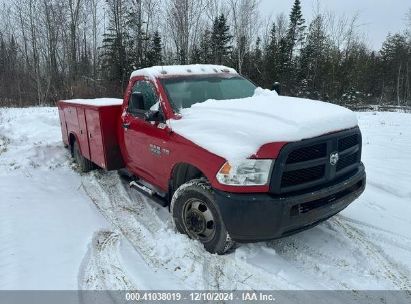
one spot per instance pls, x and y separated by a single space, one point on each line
270 60
395 55
296 29
115 62
312 60
113 56
3 54
256 72
220 39
203 53
195 57
3 60
154 54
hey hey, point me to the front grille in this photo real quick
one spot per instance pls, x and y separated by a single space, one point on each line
296 177
347 161
347 142
305 165
307 153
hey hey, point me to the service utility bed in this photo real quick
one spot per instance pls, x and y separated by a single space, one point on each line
95 123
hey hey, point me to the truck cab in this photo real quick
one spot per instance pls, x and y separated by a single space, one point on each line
233 163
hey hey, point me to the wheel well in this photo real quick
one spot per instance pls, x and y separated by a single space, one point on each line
72 139
183 173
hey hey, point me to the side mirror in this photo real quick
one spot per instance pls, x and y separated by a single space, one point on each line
153 115
136 102
277 87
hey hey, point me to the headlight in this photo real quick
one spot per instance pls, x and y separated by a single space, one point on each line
250 172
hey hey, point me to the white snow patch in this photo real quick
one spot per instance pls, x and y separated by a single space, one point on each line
97 102
182 70
236 129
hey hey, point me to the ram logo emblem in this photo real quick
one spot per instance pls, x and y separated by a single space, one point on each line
334 157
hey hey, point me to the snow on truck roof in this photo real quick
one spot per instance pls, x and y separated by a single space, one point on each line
176 70
98 102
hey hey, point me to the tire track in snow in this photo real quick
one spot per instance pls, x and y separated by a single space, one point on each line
4 142
388 267
310 260
163 248
137 222
352 252
101 268
384 235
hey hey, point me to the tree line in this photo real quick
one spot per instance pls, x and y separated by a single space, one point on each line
51 49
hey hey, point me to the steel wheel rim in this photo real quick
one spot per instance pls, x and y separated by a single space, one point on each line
198 220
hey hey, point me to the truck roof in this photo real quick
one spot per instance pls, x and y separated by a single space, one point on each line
182 70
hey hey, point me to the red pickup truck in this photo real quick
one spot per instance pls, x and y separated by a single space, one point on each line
232 162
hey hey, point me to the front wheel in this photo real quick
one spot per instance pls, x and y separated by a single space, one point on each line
196 214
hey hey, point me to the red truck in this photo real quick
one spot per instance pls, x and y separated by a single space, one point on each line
309 171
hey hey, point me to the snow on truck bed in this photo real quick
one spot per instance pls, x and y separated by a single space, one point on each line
97 102
236 129
52 236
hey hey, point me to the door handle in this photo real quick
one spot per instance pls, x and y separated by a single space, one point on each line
126 125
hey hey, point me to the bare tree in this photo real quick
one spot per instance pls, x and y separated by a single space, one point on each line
184 18
245 25
74 10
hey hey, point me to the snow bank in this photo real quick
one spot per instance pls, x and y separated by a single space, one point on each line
193 69
236 129
98 102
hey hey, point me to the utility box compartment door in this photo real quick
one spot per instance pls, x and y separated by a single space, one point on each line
83 134
95 137
63 125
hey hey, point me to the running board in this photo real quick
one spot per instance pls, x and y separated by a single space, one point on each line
141 187
146 191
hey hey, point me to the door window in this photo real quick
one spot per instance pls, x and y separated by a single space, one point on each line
148 92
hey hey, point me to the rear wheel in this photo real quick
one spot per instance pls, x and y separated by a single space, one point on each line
84 164
196 214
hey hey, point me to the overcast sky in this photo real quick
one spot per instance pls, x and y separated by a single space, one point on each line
377 17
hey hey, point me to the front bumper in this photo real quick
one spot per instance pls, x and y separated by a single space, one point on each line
262 217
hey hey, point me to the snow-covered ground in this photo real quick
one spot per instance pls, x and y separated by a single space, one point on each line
63 230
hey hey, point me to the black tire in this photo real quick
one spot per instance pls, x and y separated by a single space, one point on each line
84 164
196 214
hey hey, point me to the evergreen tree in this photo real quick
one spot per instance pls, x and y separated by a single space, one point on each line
313 59
204 52
271 59
296 29
154 54
256 72
113 56
2 54
115 62
288 63
195 57
396 57
220 39
3 60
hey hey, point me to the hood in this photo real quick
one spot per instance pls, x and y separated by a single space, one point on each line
235 129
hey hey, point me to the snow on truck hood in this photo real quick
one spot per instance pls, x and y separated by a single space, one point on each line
235 129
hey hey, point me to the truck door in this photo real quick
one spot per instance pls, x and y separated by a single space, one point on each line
146 144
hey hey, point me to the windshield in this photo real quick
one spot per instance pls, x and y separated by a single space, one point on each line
184 92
